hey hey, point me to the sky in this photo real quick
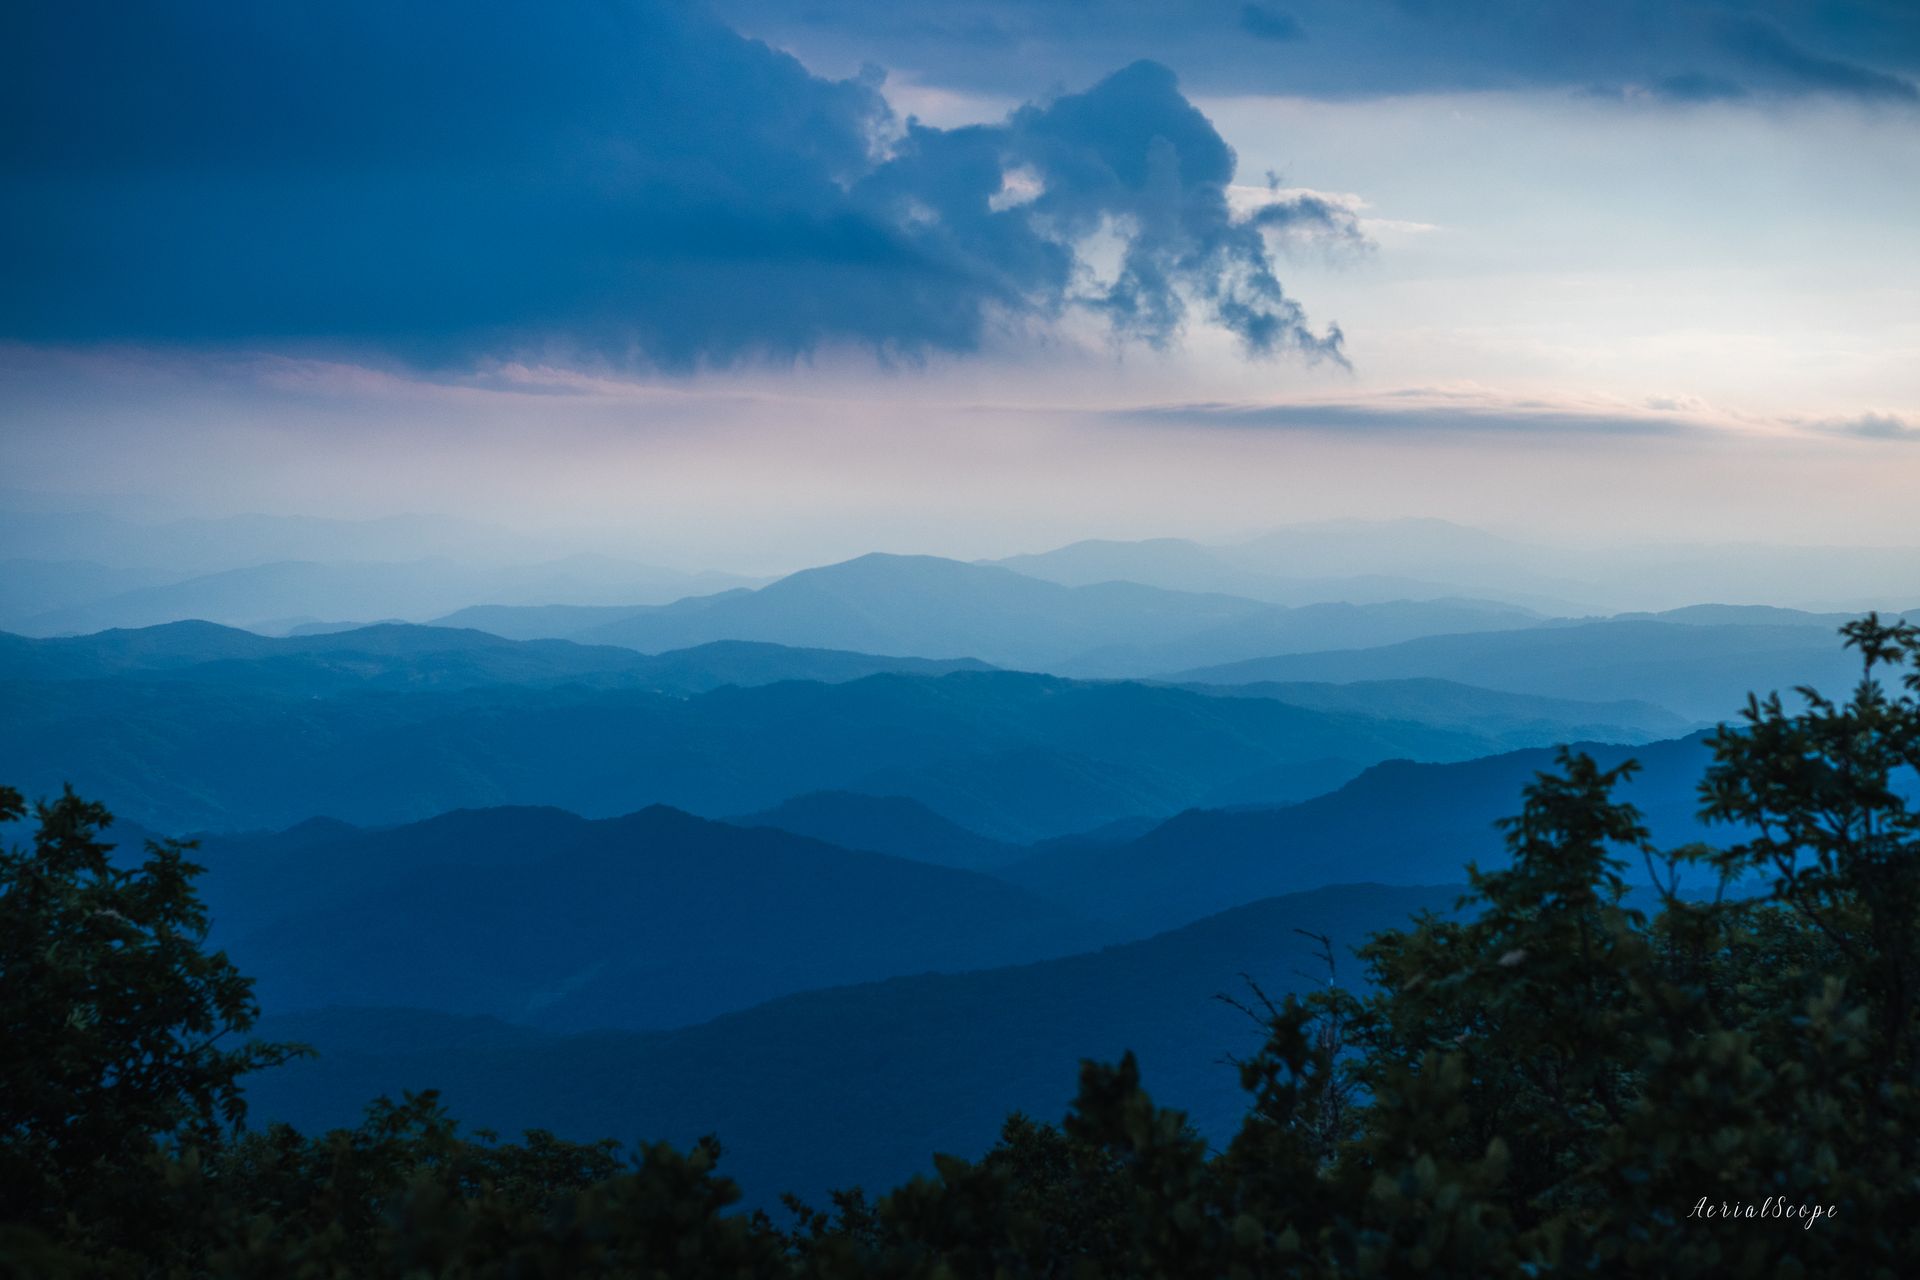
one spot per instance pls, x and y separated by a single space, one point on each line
757 285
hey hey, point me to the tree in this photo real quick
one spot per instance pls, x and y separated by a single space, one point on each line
1817 794
114 1020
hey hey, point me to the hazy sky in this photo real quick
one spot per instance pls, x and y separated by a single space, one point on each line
968 277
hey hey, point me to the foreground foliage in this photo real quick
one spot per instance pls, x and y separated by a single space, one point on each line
1554 1082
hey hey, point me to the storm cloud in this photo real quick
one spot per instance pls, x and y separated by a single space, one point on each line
1691 50
629 181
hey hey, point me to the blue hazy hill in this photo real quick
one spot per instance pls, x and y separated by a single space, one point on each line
1515 719
932 607
278 593
1398 822
896 825
1179 564
401 657
811 1092
655 919
388 725
1701 670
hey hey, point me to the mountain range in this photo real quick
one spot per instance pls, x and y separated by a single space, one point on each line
655 919
72 572
885 824
1703 671
184 731
805 1091
1417 559
401 657
1398 823
1273 571
284 595
1516 719
930 607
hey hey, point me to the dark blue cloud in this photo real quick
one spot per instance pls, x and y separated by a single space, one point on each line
1131 157
1778 61
1682 49
1695 86
1269 23
626 179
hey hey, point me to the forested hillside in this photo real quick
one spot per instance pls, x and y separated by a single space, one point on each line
656 919
1543 1073
193 728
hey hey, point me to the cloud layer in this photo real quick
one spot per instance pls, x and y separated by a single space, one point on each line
627 180
1870 426
1677 49
1415 412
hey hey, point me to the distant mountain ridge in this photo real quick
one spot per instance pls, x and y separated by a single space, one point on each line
1399 822
1179 564
408 656
31 588
72 572
187 727
931 607
803 1092
184 548
1703 671
893 825
283 593
1524 718
798 1088
1371 560
541 917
